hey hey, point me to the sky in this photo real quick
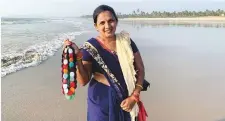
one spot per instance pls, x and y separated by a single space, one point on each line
73 8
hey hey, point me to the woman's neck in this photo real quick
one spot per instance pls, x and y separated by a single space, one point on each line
108 43
107 39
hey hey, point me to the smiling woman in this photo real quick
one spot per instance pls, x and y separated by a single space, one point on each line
114 62
105 22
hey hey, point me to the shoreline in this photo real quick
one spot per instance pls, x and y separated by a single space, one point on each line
31 93
195 20
209 18
217 22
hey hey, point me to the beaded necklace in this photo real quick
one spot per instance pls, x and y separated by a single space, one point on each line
69 82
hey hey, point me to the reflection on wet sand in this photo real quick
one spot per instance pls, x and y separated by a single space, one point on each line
142 24
221 119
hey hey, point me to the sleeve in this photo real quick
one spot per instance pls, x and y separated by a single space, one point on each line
134 46
86 55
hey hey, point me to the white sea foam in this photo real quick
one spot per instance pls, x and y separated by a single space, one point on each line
33 55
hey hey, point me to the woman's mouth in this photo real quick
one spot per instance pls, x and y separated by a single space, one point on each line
108 31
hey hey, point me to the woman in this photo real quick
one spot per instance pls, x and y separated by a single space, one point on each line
110 98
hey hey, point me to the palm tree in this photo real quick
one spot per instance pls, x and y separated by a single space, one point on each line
138 10
138 13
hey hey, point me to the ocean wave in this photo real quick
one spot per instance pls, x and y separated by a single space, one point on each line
10 21
33 55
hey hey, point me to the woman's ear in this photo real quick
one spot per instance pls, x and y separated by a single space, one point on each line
96 27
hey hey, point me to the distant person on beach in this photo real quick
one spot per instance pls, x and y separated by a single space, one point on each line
113 67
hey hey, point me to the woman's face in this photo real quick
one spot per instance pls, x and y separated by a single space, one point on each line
106 24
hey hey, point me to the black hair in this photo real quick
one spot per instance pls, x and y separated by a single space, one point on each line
103 8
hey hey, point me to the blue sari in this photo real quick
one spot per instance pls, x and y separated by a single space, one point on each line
104 101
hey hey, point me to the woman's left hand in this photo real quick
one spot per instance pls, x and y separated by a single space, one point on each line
128 104
67 42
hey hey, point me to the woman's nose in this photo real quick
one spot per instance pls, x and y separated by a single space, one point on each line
107 25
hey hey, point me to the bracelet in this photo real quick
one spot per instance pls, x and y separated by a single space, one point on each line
136 94
139 86
79 59
135 97
79 55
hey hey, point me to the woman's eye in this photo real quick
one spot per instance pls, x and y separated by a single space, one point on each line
110 21
102 23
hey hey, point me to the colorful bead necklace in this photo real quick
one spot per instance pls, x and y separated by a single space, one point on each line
69 82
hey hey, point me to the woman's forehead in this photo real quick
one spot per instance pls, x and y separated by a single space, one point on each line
104 16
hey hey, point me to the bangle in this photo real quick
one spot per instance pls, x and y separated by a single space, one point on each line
136 94
79 55
135 97
139 86
79 59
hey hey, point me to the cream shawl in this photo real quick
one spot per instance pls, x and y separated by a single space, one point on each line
126 59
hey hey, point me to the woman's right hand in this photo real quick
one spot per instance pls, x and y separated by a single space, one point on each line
128 104
75 47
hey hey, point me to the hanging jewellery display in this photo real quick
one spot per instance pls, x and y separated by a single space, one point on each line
69 82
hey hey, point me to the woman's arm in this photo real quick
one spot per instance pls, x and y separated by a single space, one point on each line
129 102
139 66
83 72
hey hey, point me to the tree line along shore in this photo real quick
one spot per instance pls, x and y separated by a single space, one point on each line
164 14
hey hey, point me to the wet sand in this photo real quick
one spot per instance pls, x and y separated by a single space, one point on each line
34 94
186 84
187 70
209 21
180 19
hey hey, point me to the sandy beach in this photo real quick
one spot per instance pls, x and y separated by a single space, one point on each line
186 74
34 94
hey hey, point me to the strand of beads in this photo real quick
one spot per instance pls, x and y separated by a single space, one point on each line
69 82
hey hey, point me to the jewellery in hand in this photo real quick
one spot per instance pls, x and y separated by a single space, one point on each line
69 82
